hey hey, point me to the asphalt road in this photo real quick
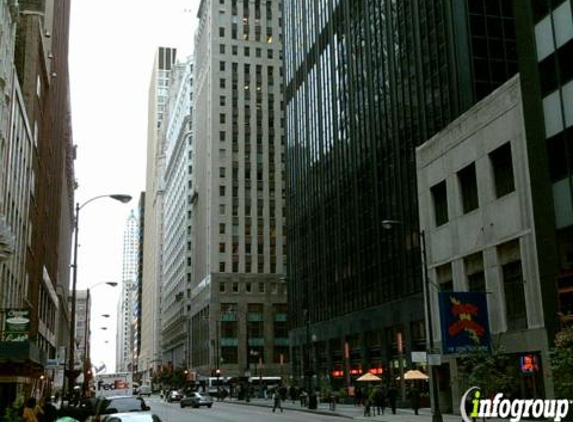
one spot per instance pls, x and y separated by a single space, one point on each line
225 412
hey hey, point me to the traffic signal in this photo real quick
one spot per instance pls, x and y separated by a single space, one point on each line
218 372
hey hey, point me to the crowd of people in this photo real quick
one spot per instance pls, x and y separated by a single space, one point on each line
374 399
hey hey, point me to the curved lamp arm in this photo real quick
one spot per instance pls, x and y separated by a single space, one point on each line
118 197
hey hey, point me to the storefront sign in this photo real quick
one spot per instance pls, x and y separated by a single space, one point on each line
16 325
419 357
464 322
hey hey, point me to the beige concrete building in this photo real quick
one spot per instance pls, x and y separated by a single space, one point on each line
476 210
150 354
238 291
176 136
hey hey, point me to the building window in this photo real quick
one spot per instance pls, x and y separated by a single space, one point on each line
221 190
514 296
222 267
222 228
502 167
440 198
281 354
222 247
222 48
235 287
222 116
474 270
513 285
222 284
221 32
444 277
468 187
222 66
229 354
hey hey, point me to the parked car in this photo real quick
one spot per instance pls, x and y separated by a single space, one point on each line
118 404
196 399
174 395
132 417
145 390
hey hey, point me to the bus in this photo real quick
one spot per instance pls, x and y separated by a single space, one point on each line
215 385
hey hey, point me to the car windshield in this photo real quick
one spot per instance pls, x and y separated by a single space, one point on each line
120 405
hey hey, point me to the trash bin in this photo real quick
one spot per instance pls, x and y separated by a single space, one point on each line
312 401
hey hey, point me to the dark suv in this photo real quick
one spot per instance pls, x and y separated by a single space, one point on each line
119 404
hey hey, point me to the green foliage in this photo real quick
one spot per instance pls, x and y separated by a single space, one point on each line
12 413
562 363
491 372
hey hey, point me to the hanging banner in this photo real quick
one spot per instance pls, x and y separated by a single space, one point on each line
464 322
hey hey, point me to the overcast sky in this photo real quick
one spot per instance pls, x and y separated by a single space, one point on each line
112 44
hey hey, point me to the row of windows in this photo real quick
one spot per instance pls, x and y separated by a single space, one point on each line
512 278
502 170
257 6
246 31
230 354
247 51
250 269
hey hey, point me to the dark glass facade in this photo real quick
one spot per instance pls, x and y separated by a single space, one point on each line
365 83
545 41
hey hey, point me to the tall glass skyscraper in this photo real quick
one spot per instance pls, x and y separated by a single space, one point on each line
365 83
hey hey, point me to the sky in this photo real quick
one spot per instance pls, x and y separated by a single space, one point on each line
112 45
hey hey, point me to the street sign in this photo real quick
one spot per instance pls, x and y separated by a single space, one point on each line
434 360
419 357
52 364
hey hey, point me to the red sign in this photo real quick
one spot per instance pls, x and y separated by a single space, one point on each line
376 371
337 374
529 364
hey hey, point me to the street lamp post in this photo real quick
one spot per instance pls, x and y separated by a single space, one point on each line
118 197
436 414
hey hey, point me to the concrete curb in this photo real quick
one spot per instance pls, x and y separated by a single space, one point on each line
293 409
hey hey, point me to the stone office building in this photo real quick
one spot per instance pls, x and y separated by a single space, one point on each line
475 185
238 292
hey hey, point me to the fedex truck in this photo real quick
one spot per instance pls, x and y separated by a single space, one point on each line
119 384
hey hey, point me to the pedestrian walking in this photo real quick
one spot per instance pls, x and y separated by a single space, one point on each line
379 401
277 401
29 414
367 404
392 396
49 411
414 395
358 397
332 403
303 398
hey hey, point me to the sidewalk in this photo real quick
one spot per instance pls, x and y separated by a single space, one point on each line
357 413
